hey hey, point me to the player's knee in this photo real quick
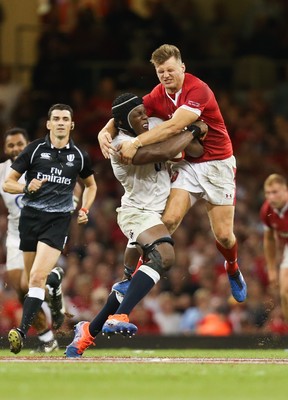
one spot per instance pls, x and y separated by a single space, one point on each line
160 254
224 242
168 258
225 238
171 222
161 260
37 279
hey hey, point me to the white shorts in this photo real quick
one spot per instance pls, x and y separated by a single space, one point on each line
284 262
14 259
132 221
213 181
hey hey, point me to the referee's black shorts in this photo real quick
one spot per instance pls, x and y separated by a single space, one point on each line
39 226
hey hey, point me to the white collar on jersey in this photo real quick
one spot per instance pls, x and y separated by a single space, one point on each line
282 211
67 146
177 94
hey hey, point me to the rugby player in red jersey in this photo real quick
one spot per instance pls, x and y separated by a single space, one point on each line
181 99
274 215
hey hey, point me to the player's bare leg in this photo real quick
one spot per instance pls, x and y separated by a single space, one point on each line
178 204
222 224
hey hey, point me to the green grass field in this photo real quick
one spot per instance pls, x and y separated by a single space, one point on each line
122 374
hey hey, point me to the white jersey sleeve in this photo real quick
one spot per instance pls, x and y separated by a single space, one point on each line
146 187
13 202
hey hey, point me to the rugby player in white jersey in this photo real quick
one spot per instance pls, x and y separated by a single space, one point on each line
146 183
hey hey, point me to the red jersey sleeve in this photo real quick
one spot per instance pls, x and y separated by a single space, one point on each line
196 96
275 220
264 212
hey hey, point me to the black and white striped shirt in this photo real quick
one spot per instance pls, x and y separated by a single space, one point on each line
41 160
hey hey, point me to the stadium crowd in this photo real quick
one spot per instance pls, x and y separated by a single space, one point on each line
194 298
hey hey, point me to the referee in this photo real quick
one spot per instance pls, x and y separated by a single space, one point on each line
51 166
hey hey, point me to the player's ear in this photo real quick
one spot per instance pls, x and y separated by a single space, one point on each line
183 67
48 125
72 125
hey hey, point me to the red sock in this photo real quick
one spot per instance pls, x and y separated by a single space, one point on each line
140 262
230 256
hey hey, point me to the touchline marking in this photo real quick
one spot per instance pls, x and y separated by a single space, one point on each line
147 360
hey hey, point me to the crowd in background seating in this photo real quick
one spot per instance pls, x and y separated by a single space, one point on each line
194 298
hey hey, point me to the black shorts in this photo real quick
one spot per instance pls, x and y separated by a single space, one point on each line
39 226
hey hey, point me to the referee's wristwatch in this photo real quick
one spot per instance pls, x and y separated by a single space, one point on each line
27 191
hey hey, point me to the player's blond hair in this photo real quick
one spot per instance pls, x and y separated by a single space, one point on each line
275 178
163 53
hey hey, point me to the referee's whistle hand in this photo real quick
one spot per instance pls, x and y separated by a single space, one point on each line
36 184
82 217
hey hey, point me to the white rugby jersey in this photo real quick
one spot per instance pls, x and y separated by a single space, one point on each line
13 202
147 187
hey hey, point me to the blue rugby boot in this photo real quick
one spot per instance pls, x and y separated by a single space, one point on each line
121 287
82 340
238 286
119 323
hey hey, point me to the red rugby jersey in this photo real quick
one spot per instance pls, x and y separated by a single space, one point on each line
197 96
278 221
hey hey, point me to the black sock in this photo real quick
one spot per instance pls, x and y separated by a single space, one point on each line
109 308
140 285
31 307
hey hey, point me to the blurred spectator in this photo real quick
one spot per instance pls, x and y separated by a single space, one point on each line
193 315
114 38
257 305
53 75
179 283
276 324
98 300
94 112
88 36
120 22
191 25
11 310
167 318
79 303
215 323
143 319
155 25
